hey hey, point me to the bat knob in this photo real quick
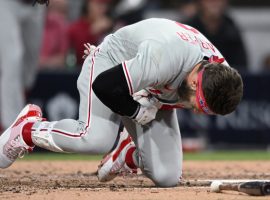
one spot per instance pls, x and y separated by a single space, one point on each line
266 189
215 186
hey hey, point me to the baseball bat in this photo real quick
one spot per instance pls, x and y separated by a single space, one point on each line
254 188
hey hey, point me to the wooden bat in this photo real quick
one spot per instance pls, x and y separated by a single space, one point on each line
254 188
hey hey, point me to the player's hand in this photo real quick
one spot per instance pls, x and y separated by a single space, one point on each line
146 114
88 49
146 99
149 107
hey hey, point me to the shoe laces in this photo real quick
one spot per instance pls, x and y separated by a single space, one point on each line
14 149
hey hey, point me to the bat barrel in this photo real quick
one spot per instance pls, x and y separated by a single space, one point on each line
255 188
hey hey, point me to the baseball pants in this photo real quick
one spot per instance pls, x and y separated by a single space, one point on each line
158 143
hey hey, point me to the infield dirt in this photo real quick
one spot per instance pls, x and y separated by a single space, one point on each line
68 180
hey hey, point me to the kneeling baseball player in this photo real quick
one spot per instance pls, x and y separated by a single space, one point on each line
138 74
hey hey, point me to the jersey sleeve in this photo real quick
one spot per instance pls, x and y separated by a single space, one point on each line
150 67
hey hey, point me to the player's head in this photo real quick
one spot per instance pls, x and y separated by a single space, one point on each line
217 89
221 86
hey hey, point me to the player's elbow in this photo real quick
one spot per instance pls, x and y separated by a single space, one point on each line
106 92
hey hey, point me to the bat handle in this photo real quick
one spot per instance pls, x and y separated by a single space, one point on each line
229 186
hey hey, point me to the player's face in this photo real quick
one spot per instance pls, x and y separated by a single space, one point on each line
187 91
188 96
191 104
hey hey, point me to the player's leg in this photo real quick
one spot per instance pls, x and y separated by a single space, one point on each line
120 160
32 27
158 151
97 127
159 148
11 53
94 132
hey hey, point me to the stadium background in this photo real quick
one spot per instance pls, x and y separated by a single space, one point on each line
231 147
248 127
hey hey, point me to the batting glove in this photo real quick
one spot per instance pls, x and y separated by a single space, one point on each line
149 107
146 114
146 99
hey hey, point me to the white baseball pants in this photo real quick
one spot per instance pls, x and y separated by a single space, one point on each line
158 143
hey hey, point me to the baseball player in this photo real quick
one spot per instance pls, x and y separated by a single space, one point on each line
20 39
138 74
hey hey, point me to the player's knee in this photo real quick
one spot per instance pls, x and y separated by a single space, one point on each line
166 178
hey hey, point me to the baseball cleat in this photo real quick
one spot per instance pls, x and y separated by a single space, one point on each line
114 163
12 144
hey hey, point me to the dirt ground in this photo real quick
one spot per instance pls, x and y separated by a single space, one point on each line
37 180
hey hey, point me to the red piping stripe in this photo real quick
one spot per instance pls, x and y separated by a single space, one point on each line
128 79
68 134
89 104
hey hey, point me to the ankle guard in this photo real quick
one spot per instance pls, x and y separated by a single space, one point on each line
42 137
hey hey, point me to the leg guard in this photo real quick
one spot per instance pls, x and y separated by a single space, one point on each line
41 136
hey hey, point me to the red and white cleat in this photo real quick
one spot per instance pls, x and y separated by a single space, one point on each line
114 163
12 144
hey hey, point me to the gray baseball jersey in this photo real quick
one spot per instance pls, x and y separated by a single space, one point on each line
156 54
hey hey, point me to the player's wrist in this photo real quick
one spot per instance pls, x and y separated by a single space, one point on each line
146 114
143 97
136 112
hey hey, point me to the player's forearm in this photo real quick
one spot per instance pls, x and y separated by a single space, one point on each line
112 90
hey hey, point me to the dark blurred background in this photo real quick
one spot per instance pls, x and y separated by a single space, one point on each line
41 51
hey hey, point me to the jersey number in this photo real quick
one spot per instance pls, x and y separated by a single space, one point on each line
188 28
